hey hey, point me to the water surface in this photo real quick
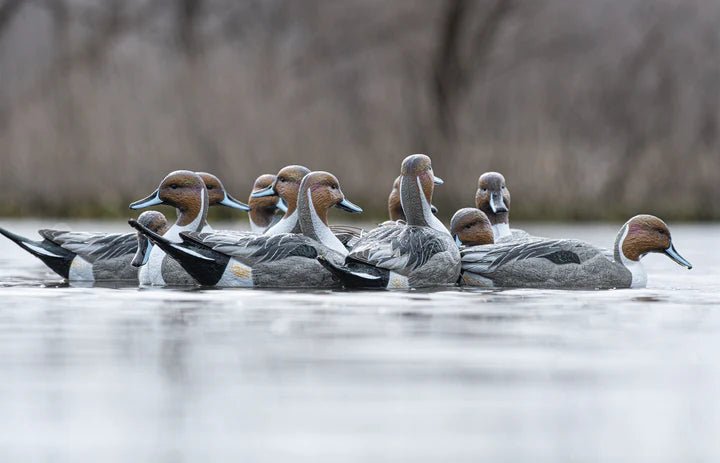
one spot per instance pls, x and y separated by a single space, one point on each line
126 374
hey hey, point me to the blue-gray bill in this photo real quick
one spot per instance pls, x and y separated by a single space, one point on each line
438 180
282 205
348 206
267 191
233 203
152 200
675 256
143 252
497 203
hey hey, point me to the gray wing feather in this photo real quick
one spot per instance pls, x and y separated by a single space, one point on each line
482 259
94 246
252 249
397 247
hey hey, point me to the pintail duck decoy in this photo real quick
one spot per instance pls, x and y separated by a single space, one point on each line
493 198
263 210
286 186
395 210
218 195
99 256
419 254
270 260
569 264
186 191
152 220
471 227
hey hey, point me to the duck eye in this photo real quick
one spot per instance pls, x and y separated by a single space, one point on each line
503 187
174 186
210 187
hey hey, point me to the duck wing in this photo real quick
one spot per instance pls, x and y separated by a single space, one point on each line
398 247
254 249
93 246
348 234
482 259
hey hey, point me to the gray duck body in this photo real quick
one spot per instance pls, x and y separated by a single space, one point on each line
285 260
426 257
543 263
100 256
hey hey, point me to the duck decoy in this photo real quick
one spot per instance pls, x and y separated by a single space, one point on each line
270 260
263 210
566 263
99 256
286 186
493 198
419 254
186 191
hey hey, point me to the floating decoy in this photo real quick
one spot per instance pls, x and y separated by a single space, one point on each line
567 264
99 256
419 254
270 260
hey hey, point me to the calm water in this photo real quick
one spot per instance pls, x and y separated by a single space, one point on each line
158 375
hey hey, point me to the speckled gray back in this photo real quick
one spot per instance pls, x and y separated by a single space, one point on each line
174 274
118 269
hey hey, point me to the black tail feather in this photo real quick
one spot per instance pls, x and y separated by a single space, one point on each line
356 275
202 263
51 254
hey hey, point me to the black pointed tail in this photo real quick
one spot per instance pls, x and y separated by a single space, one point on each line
201 262
356 274
53 255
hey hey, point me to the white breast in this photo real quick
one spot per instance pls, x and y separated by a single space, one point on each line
430 218
325 235
501 230
284 225
639 276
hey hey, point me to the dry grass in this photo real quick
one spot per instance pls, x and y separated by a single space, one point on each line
591 109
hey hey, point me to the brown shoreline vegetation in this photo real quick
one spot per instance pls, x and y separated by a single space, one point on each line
593 110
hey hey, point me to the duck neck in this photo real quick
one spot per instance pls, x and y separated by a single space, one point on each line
416 205
288 224
639 277
313 223
261 218
501 230
190 217
395 211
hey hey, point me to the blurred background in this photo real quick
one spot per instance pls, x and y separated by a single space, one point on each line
593 109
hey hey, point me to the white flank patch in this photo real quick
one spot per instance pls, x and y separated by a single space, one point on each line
81 270
323 232
430 218
236 275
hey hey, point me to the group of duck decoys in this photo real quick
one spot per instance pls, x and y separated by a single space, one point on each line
290 243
